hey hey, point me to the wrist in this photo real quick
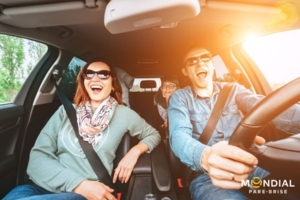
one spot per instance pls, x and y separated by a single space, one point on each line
77 189
203 159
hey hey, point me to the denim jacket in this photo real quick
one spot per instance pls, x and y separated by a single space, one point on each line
188 114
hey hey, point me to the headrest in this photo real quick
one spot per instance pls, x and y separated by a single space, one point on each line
148 84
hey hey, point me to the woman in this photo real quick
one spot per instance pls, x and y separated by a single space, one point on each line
161 99
57 164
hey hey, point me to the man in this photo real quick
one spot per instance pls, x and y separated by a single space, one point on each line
223 166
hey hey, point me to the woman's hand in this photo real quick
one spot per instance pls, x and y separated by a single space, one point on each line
126 165
94 190
228 165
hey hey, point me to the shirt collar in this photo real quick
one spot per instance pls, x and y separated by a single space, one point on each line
216 90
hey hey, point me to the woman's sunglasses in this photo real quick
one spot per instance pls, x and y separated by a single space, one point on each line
102 74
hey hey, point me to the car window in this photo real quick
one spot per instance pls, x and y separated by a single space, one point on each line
221 71
18 57
68 81
277 56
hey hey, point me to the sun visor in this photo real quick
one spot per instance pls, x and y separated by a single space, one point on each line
55 14
130 15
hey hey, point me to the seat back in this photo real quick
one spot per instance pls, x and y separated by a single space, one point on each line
180 172
143 103
148 84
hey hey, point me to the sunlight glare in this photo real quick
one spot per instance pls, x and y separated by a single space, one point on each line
277 56
251 36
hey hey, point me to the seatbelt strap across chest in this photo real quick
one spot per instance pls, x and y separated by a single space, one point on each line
215 114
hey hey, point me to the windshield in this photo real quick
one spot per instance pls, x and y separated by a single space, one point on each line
277 56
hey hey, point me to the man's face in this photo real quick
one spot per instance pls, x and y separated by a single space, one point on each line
198 66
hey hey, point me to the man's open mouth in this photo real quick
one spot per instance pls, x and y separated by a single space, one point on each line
202 74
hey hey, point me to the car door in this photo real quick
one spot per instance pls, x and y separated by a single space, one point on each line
23 66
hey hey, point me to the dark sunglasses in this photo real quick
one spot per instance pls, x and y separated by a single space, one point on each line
196 60
102 74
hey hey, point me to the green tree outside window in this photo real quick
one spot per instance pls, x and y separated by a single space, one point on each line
18 56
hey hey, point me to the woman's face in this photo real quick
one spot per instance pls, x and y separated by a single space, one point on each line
167 89
97 88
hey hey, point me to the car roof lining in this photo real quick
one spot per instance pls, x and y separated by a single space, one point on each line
53 14
18 3
87 38
44 15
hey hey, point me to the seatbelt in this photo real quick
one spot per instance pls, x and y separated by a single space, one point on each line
87 148
215 114
210 125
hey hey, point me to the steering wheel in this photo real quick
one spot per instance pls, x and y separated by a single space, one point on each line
281 157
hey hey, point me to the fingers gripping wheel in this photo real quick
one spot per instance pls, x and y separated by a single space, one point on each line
273 156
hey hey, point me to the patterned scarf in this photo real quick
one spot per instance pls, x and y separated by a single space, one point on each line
91 126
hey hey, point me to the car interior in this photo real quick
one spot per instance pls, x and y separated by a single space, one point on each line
147 39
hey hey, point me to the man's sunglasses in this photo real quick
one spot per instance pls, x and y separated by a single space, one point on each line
196 60
102 74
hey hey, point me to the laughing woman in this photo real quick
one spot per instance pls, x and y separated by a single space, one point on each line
57 165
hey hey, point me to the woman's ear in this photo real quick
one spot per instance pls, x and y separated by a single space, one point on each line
183 71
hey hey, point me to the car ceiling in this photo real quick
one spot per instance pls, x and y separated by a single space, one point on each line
72 26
